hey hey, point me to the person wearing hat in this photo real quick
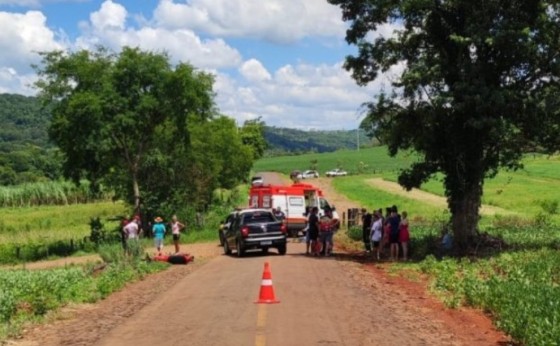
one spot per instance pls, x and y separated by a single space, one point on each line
159 231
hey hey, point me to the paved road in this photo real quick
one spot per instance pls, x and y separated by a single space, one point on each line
320 304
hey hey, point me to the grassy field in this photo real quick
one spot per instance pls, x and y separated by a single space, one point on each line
28 224
370 160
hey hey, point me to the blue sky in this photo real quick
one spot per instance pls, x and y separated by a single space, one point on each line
280 60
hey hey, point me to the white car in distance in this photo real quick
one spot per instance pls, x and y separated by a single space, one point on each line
308 174
336 173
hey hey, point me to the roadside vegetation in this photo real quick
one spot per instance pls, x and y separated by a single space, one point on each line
28 296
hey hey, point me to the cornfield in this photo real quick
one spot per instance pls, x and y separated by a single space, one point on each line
45 193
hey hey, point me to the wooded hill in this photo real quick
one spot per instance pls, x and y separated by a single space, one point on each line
285 141
26 154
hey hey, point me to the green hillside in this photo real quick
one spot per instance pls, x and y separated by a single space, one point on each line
285 141
25 152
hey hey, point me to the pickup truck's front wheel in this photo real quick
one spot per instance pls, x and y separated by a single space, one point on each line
240 250
282 249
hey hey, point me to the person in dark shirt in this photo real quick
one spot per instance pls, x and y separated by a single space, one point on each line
394 221
313 230
279 214
367 218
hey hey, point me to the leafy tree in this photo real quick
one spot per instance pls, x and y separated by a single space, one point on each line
479 85
109 111
252 134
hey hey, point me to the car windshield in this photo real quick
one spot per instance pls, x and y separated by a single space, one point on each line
257 217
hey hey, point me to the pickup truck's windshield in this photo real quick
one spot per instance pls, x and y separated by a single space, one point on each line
259 217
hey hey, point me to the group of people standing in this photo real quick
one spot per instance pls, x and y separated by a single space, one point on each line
131 231
380 231
319 232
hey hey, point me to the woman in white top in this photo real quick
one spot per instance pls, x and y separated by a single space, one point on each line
377 233
176 228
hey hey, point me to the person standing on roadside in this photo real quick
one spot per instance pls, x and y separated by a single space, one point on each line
158 229
327 225
314 230
131 232
404 235
306 229
124 222
377 234
366 228
176 228
394 222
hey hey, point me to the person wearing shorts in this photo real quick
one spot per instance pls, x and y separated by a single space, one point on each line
159 232
176 228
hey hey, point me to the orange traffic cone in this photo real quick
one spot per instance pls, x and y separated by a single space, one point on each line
266 296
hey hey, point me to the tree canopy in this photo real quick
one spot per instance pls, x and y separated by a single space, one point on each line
477 86
127 120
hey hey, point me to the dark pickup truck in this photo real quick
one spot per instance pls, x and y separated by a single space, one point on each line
255 229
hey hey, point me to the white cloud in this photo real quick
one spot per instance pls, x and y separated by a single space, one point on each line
252 70
273 20
300 96
14 83
22 36
110 16
108 27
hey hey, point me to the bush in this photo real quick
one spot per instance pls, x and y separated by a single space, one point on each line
355 233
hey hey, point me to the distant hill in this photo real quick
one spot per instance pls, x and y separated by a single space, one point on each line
285 141
26 155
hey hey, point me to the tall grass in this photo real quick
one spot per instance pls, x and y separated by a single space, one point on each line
45 193
33 233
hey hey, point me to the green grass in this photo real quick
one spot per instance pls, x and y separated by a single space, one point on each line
31 224
370 160
358 190
523 191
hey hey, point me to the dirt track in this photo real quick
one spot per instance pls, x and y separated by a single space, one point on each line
427 197
344 300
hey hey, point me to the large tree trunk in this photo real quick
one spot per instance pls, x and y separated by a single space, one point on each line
464 207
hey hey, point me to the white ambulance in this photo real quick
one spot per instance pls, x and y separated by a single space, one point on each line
294 200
